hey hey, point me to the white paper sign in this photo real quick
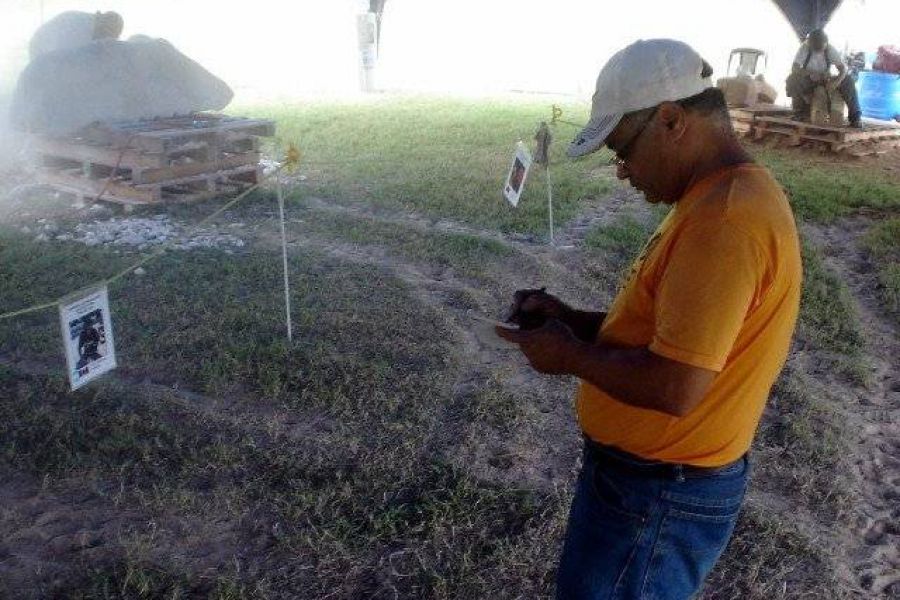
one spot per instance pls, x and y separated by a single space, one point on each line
518 172
87 336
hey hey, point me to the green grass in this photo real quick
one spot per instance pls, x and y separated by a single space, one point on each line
469 254
806 435
614 247
769 558
231 332
367 488
136 580
446 158
624 236
883 244
829 319
822 194
371 361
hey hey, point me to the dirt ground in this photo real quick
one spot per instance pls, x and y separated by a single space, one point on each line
53 531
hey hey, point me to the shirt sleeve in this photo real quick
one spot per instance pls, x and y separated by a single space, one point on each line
704 294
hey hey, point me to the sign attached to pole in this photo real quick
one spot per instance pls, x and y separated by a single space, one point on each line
87 335
518 171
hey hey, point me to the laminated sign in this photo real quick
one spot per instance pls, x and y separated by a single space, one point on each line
87 336
518 171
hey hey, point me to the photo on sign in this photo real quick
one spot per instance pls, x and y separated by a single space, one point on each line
87 336
518 172
91 338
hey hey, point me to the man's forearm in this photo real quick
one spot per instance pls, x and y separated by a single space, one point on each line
639 378
584 324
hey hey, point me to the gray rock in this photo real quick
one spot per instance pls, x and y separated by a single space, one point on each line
110 80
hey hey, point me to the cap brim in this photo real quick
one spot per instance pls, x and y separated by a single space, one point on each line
594 135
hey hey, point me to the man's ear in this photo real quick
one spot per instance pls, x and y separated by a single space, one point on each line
673 117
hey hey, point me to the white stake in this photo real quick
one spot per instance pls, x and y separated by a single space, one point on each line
284 257
549 200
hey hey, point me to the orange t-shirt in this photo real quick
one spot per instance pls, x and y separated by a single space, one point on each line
718 287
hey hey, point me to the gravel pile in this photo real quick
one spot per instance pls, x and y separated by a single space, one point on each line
141 233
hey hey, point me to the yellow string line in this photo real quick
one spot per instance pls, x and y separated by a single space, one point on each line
289 163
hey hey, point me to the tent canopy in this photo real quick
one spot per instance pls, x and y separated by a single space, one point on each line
806 15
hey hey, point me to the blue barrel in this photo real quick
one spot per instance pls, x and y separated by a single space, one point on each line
879 95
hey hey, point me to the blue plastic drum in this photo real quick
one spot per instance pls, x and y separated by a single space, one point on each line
879 95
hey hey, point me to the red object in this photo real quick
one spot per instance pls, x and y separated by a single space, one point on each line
888 59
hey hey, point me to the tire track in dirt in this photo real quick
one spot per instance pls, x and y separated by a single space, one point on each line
561 266
539 455
64 533
623 201
557 263
52 530
876 465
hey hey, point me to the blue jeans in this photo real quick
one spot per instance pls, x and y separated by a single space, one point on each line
644 530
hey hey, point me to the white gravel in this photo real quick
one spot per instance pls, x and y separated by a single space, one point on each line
141 233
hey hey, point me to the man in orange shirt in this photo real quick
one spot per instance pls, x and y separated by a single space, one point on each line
675 376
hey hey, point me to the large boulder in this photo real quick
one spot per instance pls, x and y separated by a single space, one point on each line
106 80
73 29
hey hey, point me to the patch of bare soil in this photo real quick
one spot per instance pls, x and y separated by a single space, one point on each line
875 547
63 530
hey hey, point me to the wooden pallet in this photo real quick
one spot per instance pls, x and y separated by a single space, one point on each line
743 118
765 121
143 162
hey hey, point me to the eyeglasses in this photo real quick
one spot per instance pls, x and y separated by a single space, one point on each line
620 156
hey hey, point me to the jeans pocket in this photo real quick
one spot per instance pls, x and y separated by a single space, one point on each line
703 508
609 495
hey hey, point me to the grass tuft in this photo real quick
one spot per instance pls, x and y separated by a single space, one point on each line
769 558
883 244
829 319
803 436
822 194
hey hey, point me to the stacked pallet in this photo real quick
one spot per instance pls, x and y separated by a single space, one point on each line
143 162
744 118
768 121
872 138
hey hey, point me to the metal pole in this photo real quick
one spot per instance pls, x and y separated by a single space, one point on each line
284 258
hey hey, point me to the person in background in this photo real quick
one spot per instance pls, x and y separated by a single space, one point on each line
74 29
812 67
675 376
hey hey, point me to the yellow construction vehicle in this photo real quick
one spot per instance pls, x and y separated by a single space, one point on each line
745 84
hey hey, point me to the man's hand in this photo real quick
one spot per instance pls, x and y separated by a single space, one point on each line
532 308
549 349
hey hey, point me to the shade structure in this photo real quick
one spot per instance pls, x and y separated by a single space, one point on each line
806 15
